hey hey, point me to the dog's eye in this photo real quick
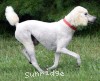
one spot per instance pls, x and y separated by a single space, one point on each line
85 13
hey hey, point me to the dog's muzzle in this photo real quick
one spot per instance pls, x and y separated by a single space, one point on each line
91 19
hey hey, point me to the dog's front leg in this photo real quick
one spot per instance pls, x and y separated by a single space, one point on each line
57 56
66 51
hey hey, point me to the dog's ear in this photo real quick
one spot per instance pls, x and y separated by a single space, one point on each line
80 20
75 19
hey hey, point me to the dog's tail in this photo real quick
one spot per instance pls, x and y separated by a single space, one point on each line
11 16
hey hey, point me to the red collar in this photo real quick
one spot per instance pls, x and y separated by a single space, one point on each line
67 23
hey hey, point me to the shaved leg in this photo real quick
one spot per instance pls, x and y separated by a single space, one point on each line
26 54
68 52
56 61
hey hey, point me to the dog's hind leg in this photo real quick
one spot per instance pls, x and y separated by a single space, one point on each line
27 55
26 40
35 42
56 61
30 50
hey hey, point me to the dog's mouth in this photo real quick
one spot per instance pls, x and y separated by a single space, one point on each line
91 22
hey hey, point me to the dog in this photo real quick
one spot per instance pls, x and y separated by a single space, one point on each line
54 36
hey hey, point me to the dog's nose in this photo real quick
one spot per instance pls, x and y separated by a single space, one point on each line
92 20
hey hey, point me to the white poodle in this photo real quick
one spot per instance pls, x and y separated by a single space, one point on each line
54 36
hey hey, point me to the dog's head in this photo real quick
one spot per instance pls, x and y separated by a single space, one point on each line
79 16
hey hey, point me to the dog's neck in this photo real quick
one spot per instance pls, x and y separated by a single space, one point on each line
71 19
69 25
68 21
